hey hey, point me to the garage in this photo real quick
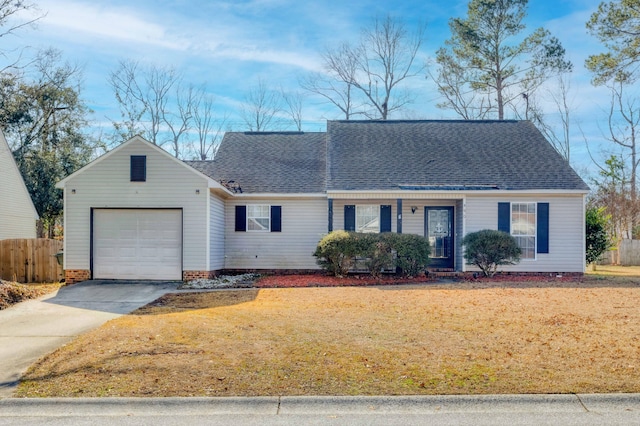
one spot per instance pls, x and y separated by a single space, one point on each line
140 244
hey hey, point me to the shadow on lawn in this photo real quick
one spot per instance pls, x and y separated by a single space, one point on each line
180 302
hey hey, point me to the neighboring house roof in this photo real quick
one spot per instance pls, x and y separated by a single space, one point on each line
14 194
451 154
269 162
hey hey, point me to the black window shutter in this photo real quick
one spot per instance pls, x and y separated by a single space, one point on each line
276 219
504 217
349 218
241 218
138 168
543 228
385 218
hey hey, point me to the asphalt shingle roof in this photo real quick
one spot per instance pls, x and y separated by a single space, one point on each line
451 154
391 155
270 162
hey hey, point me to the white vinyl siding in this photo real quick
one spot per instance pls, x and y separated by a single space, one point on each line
566 230
17 214
106 184
216 229
304 222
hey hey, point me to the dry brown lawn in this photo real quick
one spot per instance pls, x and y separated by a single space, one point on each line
12 293
472 338
615 270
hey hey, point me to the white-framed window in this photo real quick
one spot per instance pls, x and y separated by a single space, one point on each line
368 219
523 228
258 217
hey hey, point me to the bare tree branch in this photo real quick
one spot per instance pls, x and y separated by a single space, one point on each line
261 108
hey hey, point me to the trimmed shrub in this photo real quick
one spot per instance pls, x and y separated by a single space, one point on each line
412 253
337 251
487 249
379 253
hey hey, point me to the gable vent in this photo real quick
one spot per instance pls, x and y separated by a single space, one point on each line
138 168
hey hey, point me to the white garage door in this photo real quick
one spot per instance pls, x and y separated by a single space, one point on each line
137 244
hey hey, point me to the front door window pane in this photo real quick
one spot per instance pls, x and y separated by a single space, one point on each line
438 232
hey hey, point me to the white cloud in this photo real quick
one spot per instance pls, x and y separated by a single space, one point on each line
88 21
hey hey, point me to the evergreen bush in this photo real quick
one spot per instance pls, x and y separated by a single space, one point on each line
487 249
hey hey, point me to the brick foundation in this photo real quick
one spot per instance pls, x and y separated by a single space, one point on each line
72 276
195 275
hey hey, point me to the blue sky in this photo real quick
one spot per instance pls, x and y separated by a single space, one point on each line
229 45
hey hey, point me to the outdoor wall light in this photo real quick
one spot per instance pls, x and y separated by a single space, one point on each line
197 191
413 209
73 191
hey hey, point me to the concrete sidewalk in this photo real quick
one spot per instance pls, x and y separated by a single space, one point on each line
462 409
34 328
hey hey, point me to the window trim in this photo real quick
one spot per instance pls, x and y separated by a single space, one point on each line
535 228
248 217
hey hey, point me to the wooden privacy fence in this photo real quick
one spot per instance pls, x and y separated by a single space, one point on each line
30 260
628 254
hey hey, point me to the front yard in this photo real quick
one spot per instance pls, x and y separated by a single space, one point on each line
478 337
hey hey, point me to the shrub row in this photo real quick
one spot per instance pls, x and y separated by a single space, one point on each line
408 253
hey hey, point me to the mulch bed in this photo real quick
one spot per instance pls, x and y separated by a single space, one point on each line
319 280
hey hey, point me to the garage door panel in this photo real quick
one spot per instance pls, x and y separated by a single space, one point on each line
137 244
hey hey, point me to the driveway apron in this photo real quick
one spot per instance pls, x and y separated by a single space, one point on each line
34 328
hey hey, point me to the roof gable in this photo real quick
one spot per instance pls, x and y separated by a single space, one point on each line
391 155
139 140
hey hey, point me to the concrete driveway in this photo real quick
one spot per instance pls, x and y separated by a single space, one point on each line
34 328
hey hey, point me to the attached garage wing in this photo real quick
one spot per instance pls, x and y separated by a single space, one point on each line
141 244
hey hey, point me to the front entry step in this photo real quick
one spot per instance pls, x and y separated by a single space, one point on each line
444 273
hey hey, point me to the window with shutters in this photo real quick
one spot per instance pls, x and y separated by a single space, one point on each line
523 228
138 168
258 217
368 219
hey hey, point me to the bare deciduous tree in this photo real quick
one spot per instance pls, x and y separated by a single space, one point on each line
179 122
624 123
336 92
9 9
142 95
209 130
557 131
560 139
375 68
261 108
293 102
